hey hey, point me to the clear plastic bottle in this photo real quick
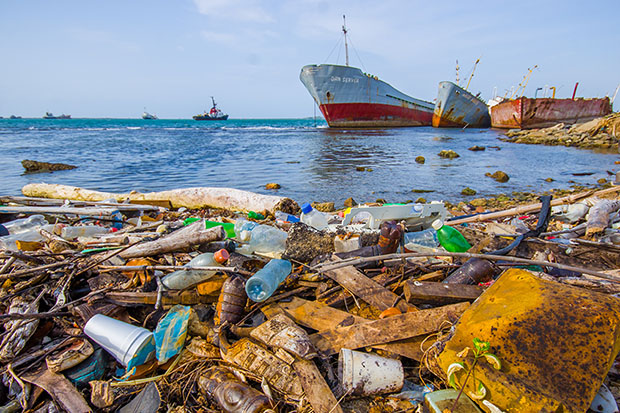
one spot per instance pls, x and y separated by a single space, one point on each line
450 238
284 217
263 239
265 281
70 233
425 238
25 224
181 279
9 242
243 224
312 217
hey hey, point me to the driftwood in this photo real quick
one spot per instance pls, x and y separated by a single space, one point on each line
598 218
317 391
193 234
443 293
200 197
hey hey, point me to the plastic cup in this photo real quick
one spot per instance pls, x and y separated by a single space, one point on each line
131 346
363 374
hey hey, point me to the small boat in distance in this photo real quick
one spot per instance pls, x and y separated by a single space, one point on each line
213 114
15 117
350 98
50 115
146 115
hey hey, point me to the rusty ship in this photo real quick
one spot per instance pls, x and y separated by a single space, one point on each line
349 98
458 108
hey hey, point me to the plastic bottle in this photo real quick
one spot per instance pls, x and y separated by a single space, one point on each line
450 238
263 239
25 224
9 242
243 224
426 238
228 227
70 233
265 281
232 395
255 215
312 217
284 217
181 279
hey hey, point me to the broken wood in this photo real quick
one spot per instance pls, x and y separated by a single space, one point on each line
168 298
61 390
442 293
389 329
598 217
317 391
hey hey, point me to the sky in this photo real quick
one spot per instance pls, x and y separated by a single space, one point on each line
115 58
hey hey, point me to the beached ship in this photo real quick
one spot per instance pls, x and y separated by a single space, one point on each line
50 115
148 116
530 113
458 108
214 114
349 98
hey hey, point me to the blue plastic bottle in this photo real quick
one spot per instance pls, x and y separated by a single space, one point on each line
265 281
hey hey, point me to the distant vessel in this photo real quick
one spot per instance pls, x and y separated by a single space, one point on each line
49 115
14 117
213 114
146 115
349 98
456 107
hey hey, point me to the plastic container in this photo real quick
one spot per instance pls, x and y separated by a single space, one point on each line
263 239
232 395
255 215
425 238
181 279
9 242
25 224
70 233
228 227
450 238
284 217
364 374
265 281
312 217
243 224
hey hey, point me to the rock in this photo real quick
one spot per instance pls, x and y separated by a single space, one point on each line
448 154
360 168
36 166
422 191
288 206
368 169
381 201
349 202
477 148
420 201
549 180
305 243
499 176
272 185
323 206
420 159
602 181
478 202
468 191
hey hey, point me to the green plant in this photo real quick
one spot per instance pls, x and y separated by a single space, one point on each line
480 351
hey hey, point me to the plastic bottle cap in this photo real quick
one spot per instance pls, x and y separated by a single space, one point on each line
305 208
221 256
437 224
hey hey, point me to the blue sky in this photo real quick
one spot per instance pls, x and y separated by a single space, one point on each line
113 58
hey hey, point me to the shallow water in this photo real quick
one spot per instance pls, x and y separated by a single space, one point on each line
310 161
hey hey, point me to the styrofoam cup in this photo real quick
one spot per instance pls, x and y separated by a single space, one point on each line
130 345
363 374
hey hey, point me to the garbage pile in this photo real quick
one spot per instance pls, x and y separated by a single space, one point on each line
118 306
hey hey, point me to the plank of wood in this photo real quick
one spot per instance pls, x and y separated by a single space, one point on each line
366 289
318 316
425 291
61 390
386 330
316 389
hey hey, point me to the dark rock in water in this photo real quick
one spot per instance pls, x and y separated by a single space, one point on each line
323 206
420 159
499 176
448 154
468 191
477 148
420 200
272 185
349 202
602 181
360 168
549 180
305 243
36 166
422 191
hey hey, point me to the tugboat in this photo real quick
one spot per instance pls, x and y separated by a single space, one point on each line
50 115
213 114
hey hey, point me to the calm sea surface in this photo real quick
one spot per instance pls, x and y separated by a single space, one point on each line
310 161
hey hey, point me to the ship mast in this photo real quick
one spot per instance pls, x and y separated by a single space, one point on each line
472 73
346 46
457 73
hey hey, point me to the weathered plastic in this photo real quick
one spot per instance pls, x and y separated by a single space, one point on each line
365 374
72 232
440 400
282 332
556 343
312 217
263 239
181 279
231 302
265 281
473 271
416 216
9 242
425 238
25 224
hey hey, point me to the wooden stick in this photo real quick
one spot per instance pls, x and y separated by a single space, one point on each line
31 271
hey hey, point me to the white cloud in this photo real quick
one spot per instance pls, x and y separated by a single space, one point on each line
244 10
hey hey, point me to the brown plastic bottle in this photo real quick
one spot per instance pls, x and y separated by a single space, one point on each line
231 301
232 395
473 271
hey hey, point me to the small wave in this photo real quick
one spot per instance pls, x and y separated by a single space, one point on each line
134 127
259 128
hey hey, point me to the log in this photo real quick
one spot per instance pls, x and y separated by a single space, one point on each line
194 198
441 293
193 234
317 391
598 218
389 329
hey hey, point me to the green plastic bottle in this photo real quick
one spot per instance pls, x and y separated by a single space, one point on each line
450 238
255 215
228 227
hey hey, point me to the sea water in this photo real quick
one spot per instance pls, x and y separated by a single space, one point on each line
310 161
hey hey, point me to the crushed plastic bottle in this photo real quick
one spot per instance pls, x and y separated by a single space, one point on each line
450 238
312 217
72 232
263 239
25 224
425 238
9 242
181 279
265 281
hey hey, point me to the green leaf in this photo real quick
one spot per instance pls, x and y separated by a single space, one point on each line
480 393
481 346
493 361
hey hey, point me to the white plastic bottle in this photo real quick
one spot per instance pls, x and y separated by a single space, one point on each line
25 224
312 217
181 279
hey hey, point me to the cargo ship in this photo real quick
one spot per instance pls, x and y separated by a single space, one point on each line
49 115
531 113
458 108
349 98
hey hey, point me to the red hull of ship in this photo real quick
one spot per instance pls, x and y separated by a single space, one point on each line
355 115
526 113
